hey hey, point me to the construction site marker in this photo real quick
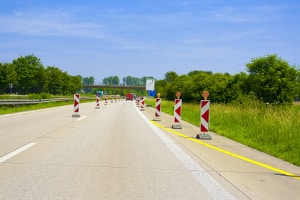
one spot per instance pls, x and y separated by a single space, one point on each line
76 105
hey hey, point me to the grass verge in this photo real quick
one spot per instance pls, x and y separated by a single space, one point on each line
275 131
7 109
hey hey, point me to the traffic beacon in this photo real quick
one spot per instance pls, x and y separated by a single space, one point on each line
157 108
177 112
204 117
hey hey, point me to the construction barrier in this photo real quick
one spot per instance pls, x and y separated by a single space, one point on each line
204 118
142 104
105 100
76 105
157 109
97 101
177 114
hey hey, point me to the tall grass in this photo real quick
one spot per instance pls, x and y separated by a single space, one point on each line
273 130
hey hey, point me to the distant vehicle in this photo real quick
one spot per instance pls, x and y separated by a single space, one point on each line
129 96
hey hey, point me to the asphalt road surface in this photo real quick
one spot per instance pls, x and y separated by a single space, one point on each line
118 152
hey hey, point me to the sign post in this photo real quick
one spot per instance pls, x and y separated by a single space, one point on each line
204 117
177 112
142 104
76 105
97 101
157 108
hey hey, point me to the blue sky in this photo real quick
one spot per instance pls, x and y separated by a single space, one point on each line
101 38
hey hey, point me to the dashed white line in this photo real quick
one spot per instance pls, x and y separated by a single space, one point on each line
81 118
16 152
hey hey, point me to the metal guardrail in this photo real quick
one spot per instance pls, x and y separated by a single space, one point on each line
36 101
28 101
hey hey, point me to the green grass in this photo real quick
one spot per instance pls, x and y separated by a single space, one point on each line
275 131
22 108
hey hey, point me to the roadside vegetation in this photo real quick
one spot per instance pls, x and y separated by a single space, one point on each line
54 101
273 130
22 108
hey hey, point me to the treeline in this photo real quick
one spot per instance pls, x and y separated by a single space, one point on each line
268 79
27 75
128 80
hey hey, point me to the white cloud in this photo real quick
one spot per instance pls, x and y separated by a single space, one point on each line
48 23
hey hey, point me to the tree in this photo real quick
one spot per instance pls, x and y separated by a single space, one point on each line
170 76
273 80
160 87
216 85
88 80
195 72
28 71
111 80
236 87
55 85
115 80
8 76
183 84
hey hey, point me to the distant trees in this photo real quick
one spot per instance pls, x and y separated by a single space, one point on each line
111 80
134 81
268 79
28 75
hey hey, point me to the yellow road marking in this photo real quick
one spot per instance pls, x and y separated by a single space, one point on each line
227 152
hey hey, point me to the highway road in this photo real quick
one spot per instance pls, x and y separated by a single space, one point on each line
118 152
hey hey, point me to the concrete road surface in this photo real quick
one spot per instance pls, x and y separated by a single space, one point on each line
118 152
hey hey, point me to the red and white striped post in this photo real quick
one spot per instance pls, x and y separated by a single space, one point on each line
76 105
157 108
137 101
142 104
97 101
204 118
105 100
177 112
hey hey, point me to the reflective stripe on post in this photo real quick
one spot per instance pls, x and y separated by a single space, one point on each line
177 114
76 105
157 109
204 120
142 103
97 101
204 116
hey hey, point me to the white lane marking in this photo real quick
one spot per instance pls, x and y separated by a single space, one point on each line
216 190
81 118
16 152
